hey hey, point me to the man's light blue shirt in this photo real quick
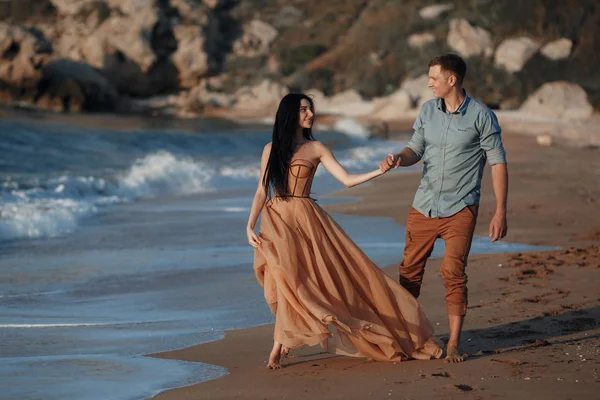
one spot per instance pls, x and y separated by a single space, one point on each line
454 148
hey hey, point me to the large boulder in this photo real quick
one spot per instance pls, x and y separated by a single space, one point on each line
132 46
434 11
201 96
190 59
321 101
420 40
264 97
512 54
426 95
558 49
346 97
415 88
348 103
130 35
468 40
70 37
145 47
393 106
72 86
255 40
559 99
71 7
191 11
132 7
24 53
196 41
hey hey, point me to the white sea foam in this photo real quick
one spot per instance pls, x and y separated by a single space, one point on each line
162 173
367 156
249 171
351 127
236 209
41 217
55 207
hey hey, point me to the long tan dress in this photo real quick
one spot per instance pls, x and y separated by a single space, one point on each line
324 290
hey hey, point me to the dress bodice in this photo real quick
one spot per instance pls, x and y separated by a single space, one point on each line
300 178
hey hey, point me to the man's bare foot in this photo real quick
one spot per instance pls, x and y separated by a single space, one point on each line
453 354
275 356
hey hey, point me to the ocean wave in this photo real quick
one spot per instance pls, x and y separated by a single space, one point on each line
248 171
41 207
163 173
42 218
352 128
37 209
370 156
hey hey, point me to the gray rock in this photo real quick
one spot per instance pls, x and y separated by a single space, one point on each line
393 106
416 87
558 49
559 99
25 51
71 7
255 40
191 60
132 7
420 40
434 11
264 97
512 54
73 86
468 40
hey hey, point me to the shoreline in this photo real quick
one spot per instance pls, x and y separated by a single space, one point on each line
579 134
542 211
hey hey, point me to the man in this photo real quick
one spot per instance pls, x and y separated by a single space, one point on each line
453 135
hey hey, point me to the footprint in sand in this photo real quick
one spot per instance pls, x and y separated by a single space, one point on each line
464 388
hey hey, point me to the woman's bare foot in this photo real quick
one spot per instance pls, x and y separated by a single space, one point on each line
453 354
275 356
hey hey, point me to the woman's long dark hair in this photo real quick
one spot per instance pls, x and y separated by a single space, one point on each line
284 146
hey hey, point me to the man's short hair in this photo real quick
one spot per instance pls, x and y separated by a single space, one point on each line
451 63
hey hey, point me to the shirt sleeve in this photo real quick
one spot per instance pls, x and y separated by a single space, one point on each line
489 137
417 141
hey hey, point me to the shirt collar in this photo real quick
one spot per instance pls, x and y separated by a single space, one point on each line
462 109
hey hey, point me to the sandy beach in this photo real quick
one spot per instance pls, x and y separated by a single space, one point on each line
533 325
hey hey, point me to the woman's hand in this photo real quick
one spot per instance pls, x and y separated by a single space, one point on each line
387 163
253 240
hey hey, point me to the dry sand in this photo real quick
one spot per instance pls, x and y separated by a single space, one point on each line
533 326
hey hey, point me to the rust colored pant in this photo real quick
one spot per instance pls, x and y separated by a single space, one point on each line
457 233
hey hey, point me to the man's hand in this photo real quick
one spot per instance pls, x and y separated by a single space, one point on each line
498 227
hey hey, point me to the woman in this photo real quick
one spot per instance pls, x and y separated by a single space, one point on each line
320 286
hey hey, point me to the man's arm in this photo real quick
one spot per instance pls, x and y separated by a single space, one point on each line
498 226
491 142
405 158
414 150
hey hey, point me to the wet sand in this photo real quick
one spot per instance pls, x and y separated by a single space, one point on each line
533 326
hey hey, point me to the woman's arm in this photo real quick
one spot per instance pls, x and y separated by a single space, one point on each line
349 180
260 198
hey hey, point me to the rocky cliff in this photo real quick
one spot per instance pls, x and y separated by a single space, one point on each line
187 57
